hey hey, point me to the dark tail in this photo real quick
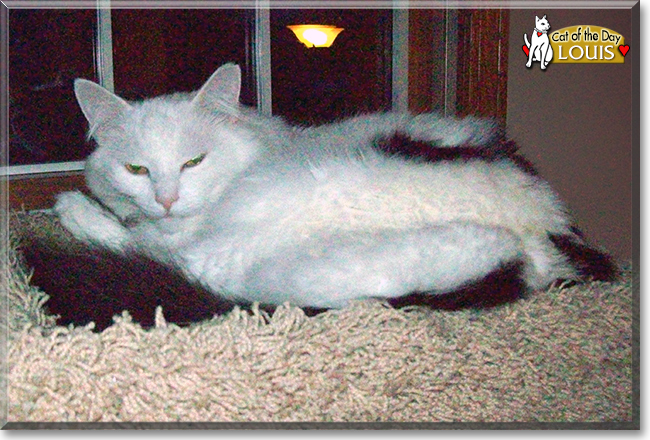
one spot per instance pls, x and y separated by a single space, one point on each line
93 284
503 285
591 263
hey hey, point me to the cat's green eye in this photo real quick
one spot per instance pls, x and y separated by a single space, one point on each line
194 162
136 169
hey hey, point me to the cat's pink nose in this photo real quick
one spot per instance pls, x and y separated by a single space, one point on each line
168 201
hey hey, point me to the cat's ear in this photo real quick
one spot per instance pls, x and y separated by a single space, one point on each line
221 91
98 104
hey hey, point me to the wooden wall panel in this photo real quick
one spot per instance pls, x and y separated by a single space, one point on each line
39 192
426 60
483 62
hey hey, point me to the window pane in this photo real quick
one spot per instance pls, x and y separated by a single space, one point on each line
48 49
315 85
160 51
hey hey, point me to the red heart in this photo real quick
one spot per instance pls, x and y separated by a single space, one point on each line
527 51
539 34
624 49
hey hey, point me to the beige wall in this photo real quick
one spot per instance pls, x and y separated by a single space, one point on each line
574 122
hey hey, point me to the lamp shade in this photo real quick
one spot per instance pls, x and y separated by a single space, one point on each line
315 35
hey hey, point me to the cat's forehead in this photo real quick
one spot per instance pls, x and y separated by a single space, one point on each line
159 113
158 130
156 120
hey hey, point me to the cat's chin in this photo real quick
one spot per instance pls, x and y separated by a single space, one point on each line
173 215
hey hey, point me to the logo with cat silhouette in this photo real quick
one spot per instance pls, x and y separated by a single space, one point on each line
539 47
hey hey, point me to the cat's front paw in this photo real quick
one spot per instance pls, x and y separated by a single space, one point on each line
89 222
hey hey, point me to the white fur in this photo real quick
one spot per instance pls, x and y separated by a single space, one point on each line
539 47
314 215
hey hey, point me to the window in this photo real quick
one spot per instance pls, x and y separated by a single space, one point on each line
154 52
158 51
317 85
48 49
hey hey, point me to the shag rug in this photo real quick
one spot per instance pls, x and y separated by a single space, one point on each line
561 355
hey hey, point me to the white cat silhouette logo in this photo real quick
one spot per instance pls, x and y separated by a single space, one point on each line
539 49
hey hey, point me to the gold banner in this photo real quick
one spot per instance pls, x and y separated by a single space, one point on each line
588 44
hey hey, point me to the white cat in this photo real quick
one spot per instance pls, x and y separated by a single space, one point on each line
260 211
539 48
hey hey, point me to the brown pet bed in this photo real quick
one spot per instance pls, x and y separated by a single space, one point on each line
562 355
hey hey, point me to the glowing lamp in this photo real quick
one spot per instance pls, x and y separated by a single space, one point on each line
315 35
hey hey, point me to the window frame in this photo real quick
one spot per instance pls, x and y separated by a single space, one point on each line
261 46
